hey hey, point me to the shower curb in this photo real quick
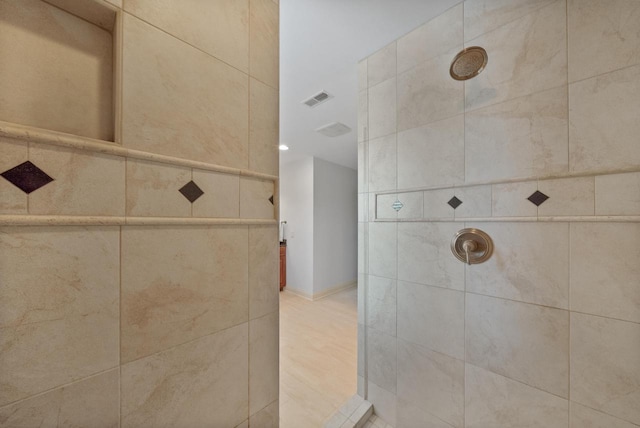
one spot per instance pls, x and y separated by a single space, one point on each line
353 414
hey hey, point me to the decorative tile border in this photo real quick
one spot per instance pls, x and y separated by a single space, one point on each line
54 220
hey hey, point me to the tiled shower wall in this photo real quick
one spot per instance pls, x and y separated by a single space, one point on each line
541 151
139 279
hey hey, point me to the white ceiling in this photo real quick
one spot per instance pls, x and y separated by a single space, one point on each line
321 42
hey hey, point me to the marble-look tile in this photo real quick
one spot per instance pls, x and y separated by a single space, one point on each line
263 361
530 263
363 232
65 83
267 417
384 206
584 417
382 109
412 205
362 291
254 198
605 374
153 189
603 125
221 196
427 93
432 380
381 304
434 38
605 269
187 96
383 249
482 16
476 201
436 206
264 270
84 183
189 385
381 359
116 3
219 28
424 255
527 55
12 154
382 163
510 199
60 300
381 65
411 415
243 424
363 207
523 137
363 115
384 404
495 401
361 349
607 32
432 155
264 41
618 194
372 206
363 71
194 283
528 343
91 402
263 128
568 196
432 317
363 183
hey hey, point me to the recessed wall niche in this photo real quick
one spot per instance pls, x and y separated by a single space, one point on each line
57 65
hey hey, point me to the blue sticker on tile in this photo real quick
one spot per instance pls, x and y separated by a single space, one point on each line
397 205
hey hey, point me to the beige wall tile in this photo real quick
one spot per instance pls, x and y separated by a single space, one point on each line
382 249
264 41
605 269
381 304
194 283
187 96
254 198
189 385
382 65
424 255
510 199
221 196
12 154
618 194
84 183
603 125
524 137
116 3
524 342
427 93
220 28
476 201
412 205
384 206
530 263
607 32
381 359
385 403
570 196
382 109
432 317
432 155
436 206
527 55
363 71
267 417
432 380
382 163
60 300
92 402
482 16
584 417
263 128
363 115
495 401
605 374
412 415
434 38
264 270
65 83
263 361
153 189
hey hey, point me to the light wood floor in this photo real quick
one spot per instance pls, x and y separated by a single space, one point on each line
318 357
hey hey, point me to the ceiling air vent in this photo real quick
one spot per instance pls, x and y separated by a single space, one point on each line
318 98
334 129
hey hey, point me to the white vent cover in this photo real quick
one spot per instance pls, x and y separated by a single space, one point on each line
334 129
318 98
